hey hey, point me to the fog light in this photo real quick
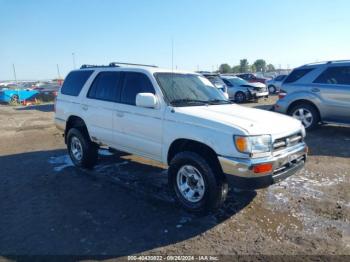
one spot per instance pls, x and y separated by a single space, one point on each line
262 168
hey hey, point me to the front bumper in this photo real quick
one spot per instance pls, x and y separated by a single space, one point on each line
281 106
252 94
261 94
284 164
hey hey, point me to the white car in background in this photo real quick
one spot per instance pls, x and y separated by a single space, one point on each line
241 90
274 85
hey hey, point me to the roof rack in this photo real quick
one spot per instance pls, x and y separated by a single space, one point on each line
121 63
94 66
327 62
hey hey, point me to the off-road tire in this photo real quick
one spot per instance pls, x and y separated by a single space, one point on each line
216 186
89 149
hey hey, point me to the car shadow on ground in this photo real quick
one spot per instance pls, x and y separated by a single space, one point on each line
121 207
42 108
329 140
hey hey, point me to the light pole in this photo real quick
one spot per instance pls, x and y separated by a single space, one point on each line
14 73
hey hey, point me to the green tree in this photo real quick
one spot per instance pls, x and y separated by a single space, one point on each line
260 65
270 68
253 68
244 66
236 69
225 68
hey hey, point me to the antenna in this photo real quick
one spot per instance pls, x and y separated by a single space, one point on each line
58 72
172 54
73 58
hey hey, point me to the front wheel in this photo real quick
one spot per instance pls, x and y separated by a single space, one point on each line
272 89
196 185
240 97
307 114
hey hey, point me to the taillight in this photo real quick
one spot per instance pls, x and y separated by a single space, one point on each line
282 94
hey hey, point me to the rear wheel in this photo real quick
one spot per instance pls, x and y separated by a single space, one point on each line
15 99
307 114
240 97
196 184
272 89
82 151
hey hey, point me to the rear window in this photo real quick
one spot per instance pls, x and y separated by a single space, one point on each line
339 75
297 74
75 81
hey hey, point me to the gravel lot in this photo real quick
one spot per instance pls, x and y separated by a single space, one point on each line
122 207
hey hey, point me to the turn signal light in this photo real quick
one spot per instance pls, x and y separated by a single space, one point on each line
262 168
241 144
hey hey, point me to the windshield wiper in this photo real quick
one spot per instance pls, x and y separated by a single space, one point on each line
188 101
219 101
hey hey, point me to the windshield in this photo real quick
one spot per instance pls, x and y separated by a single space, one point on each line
189 89
237 81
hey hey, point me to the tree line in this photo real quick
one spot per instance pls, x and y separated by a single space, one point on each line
259 65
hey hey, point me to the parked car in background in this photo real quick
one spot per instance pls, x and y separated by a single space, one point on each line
318 92
251 78
240 90
215 80
274 84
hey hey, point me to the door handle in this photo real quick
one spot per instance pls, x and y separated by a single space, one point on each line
84 107
315 90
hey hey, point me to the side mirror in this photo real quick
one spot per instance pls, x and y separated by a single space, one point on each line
147 100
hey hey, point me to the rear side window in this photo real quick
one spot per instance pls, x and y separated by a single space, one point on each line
105 86
280 78
135 83
228 83
75 81
339 75
297 74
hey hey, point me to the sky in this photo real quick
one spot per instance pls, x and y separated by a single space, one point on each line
38 35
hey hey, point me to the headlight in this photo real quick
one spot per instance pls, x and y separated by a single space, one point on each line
255 145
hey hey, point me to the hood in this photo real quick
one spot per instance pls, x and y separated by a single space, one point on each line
252 121
256 84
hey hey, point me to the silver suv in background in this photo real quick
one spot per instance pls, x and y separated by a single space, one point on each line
318 92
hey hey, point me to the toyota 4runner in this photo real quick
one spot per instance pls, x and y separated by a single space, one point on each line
181 120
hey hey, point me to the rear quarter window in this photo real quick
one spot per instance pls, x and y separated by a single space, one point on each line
75 81
338 75
297 74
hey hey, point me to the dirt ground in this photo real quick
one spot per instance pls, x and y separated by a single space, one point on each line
123 207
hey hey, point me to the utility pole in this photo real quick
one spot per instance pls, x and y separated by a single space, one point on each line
58 72
14 73
73 57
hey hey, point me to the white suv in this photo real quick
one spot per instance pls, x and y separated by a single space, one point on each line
179 119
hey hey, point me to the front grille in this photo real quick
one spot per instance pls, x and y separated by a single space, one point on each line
288 141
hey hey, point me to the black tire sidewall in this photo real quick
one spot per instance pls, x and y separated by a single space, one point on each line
213 183
243 97
89 155
274 89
